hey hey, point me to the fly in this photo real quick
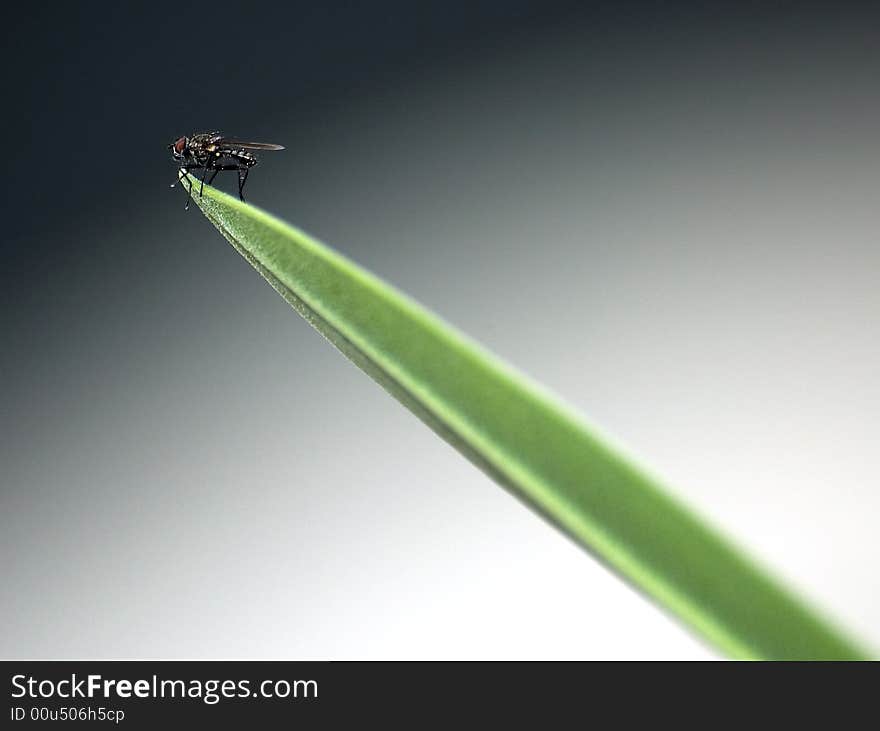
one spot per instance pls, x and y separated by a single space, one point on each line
213 151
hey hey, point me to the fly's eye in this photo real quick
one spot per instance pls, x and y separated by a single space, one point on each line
179 145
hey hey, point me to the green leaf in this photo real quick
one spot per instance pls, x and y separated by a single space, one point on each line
532 444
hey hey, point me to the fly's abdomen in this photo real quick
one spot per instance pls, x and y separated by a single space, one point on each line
238 157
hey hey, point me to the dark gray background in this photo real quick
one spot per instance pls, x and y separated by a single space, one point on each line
667 214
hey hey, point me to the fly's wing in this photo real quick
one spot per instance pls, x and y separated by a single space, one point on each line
245 145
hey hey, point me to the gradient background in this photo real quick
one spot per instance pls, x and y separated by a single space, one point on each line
666 214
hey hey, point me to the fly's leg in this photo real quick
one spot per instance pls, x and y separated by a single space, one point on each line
180 177
242 179
187 184
189 190
202 186
242 175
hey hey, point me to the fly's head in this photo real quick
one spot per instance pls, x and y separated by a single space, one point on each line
180 149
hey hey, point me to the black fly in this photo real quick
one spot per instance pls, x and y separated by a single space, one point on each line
212 151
